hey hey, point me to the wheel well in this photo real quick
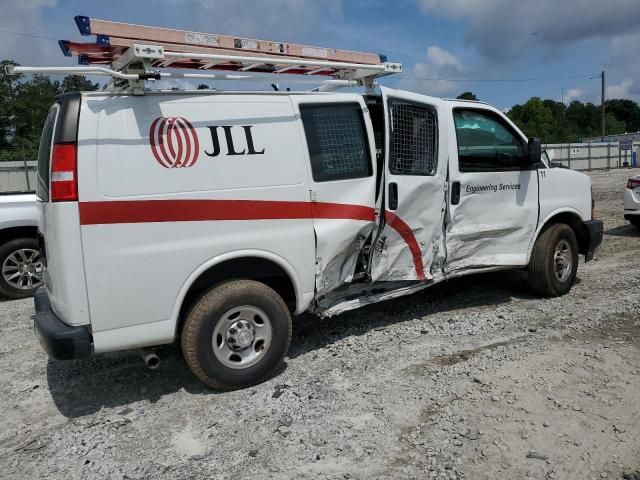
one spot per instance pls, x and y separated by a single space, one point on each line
248 268
17 232
574 222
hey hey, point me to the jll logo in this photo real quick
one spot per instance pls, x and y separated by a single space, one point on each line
174 142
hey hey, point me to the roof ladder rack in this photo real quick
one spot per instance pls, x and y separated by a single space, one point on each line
131 54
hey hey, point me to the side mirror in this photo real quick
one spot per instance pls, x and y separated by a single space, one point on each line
534 151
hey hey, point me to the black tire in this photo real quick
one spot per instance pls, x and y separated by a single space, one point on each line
635 221
213 308
542 266
6 250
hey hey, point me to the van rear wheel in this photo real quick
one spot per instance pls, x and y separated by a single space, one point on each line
554 261
20 268
236 335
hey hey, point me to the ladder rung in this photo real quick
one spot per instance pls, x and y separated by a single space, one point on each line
316 71
286 69
251 66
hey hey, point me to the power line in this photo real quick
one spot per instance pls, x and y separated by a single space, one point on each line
544 79
9 32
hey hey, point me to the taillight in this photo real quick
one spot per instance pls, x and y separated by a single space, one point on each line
64 173
633 183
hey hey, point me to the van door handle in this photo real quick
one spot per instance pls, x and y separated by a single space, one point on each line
455 193
393 196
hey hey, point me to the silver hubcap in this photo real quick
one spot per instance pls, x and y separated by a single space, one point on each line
563 261
242 337
23 269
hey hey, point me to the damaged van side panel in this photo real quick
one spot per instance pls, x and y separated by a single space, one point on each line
411 244
338 140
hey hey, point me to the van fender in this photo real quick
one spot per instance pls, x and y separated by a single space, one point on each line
303 299
546 221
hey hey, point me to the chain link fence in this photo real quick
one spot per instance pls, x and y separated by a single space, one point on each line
591 156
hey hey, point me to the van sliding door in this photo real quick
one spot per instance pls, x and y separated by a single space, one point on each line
410 245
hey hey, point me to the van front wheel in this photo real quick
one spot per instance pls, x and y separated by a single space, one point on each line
554 261
237 334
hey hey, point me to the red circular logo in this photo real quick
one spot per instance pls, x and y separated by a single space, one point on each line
174 142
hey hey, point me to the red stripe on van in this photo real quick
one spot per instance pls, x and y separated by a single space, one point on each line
150 211
407 235
146 211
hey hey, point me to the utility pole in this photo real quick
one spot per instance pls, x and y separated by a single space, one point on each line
603 125
562 117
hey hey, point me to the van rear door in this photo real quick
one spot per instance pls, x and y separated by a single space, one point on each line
410 245
342 181
59 224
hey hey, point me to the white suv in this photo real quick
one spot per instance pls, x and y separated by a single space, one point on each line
632 201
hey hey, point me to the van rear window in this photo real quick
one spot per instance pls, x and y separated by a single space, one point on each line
337 141
44 155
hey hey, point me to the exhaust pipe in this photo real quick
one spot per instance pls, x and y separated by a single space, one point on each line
150 359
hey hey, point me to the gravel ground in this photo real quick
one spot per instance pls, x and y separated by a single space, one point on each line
472 379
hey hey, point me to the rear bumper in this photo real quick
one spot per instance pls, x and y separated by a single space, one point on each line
595 232
59 340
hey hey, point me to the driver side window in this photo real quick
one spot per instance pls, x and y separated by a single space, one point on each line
486 143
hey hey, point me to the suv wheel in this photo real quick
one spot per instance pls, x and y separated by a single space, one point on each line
554 261
237 334
20 268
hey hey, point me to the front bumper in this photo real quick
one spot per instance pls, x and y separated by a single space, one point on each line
59 340
595 232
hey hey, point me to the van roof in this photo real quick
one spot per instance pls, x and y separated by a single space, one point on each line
464 100
221 92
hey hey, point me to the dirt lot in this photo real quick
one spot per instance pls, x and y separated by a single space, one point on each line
473 379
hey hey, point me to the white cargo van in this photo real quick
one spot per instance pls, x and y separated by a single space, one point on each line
213 217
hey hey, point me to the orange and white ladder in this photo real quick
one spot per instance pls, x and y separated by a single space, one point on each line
131 54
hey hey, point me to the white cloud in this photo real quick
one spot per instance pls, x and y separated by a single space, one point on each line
620 90
504 29
433 75
623 66
574 94
440 58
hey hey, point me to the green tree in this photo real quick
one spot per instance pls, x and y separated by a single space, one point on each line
534 118
24 104
77 83
30 105
467 96
8 85
626 111
613 125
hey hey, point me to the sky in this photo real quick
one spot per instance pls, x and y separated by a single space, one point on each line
549 48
